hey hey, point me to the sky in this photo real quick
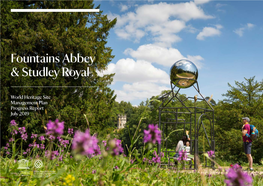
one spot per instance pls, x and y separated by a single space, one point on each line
224 39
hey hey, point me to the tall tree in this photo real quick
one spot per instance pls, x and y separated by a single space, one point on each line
56 34
244 99
248 95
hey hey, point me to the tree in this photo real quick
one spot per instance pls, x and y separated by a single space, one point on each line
137 116
246 99
57 34
248 95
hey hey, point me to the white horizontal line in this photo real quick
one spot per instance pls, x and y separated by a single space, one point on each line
52 86
55 10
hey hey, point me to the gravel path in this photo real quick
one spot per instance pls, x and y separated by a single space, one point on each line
209 171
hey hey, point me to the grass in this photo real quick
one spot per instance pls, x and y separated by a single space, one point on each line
116 171
66 167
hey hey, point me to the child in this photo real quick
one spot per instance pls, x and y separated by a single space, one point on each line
187 149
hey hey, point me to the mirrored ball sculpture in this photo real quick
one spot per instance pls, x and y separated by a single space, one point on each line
183 73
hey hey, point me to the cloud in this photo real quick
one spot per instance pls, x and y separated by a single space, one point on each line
161 22
155 54
209 32
219 26
139 91
141 79
123 8
161 55
240 31
128 70
198 2
191 29
250 25
196 60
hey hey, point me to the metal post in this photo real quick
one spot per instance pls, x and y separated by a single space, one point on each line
194 130
190 135
213 148
159 145
196 143
195 154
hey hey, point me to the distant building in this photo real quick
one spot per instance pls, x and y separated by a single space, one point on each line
122 119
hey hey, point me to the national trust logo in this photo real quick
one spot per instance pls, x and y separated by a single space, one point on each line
23 164
38 164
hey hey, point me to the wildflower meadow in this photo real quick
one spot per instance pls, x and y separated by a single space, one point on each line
73 73
63 156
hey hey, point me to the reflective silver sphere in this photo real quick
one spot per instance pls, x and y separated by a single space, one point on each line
183 73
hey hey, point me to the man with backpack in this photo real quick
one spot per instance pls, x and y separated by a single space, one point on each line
247 141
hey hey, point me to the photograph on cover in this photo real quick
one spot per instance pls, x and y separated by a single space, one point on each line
140 92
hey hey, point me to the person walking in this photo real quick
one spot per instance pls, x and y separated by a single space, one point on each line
247 141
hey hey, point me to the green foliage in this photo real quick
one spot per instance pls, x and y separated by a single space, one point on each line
57 34
118 171
133 133
228 122
246 99
247 96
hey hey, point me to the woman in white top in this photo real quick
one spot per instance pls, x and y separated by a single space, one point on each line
180 145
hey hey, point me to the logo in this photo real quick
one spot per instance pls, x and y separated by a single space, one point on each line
38 164
23 164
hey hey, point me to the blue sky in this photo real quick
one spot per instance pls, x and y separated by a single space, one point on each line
224 39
